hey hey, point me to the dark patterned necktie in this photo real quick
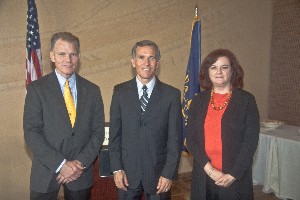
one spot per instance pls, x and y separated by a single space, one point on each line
144 99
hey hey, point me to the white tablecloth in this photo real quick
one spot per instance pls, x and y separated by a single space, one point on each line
277 162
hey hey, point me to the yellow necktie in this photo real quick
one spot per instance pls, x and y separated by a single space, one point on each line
70 103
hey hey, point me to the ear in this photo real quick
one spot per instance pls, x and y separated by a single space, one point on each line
52 56
132 62
157 64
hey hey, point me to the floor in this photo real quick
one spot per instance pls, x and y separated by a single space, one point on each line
181 190
182 186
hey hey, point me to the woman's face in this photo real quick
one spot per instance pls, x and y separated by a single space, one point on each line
220 73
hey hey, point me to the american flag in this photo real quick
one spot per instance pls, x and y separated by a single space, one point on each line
34 68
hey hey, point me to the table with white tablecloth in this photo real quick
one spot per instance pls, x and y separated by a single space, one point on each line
276 163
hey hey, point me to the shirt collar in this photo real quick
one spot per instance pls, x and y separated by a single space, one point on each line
149 85
62 80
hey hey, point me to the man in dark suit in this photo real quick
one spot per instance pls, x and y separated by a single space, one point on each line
64 138
145 129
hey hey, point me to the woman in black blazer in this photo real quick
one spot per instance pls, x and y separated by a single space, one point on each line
222 131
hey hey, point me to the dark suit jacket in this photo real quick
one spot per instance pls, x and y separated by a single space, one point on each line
50 136
147 145
239 132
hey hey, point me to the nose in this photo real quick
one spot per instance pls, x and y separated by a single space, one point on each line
147 61
68 57
219 70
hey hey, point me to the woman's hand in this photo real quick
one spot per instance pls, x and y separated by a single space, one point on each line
215 174
225 180
212 172
221 179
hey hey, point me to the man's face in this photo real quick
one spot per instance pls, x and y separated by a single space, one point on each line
65 57
145 63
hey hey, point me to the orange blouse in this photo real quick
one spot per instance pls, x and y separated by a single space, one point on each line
212 131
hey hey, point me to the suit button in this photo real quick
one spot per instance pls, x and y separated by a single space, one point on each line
72 134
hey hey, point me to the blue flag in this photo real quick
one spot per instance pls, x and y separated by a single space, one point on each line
191 82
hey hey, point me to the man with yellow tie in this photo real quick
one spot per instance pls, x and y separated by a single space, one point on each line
63 125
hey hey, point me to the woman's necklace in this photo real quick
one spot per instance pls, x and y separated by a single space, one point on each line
212 101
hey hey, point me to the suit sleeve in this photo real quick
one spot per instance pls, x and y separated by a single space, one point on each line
245 157
91 149
174 138
115 131
33 131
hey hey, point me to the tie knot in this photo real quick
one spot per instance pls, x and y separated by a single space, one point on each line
67 83
144 88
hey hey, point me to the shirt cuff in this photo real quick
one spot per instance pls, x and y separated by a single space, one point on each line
58 169
117 171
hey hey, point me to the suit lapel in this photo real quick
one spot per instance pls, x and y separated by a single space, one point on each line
154 98
234 101
54 89
133 97
81 98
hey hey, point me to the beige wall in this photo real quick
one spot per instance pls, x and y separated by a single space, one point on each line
108 29
285 63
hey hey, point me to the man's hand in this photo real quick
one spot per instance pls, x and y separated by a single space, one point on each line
163 185
121 180
70 171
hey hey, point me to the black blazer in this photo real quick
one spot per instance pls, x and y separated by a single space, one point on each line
50 136
147 145
240 134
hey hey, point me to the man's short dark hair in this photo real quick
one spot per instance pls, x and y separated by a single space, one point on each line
146 43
